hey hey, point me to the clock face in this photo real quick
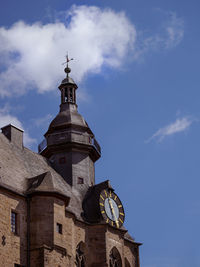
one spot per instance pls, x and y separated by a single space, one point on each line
111 208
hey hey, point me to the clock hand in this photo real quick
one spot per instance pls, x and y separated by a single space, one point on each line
113 212
111 207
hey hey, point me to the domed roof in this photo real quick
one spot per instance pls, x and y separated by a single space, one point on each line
67 80
67 118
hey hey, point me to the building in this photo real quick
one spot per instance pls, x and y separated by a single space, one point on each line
51 211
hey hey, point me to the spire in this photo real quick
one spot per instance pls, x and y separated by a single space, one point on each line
68 86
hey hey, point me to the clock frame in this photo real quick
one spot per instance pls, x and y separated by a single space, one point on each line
108 195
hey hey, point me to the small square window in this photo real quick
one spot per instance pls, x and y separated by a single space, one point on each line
80 180
62 160
14 222
59 228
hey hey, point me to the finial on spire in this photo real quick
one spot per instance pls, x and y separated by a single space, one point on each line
67 69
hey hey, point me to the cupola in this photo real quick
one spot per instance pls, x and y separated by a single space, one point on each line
68 88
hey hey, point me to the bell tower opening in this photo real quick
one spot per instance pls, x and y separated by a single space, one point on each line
66 96
69 95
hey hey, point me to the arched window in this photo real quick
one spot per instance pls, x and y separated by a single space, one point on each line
80 257
127 264
115 258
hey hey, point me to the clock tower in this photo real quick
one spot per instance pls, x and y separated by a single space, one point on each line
71 149
53 212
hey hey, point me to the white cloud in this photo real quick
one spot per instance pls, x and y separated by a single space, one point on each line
6 119
32 54
175 30
170 34
42 121
180 125
29 141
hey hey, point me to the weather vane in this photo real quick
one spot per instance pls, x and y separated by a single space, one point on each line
67 60
67 69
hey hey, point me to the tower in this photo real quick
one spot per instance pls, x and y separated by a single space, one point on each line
70 144
52 211
71 148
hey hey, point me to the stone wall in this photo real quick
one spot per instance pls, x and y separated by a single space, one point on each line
13 249
96 246
49 248
129 254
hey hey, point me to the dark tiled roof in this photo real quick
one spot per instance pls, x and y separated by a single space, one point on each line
19 168
66 117
47 182
68 80
24 171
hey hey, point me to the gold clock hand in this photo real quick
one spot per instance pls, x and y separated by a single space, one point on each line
113 212
110 205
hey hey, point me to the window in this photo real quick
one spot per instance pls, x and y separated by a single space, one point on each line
14 222
115 259
80 180
59 228
80 258
66 97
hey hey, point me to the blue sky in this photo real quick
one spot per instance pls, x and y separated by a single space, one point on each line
137 67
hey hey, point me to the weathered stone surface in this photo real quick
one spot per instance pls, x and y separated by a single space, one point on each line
15 246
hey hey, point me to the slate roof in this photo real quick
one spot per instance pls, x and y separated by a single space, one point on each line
24 171
66 118
68 80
